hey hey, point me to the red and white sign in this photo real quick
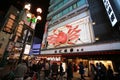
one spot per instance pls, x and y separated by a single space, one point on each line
77 32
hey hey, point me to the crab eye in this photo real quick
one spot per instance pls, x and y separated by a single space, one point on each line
78 38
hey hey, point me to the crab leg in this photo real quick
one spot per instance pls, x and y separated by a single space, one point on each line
74 33
74 37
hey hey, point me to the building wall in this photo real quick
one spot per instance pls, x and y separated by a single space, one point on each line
116 7
4 39
63 9
100 26
74 13
84 48
9 22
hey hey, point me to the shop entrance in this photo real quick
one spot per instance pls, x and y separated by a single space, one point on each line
87 62
76 62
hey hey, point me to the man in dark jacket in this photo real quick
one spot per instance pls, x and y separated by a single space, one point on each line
81 70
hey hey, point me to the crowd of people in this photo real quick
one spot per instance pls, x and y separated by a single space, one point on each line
100 72
34 70
45 70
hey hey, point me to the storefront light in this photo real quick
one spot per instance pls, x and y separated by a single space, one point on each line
109 62
93 23
97 38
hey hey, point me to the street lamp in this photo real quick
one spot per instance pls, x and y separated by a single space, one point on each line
27 6
32 19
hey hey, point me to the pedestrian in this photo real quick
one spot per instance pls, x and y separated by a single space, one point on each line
61 69
10 75
110 73
98 71
75 67
54 70
69 71
20 70
35 66
93 72
81 70
47 69
103 71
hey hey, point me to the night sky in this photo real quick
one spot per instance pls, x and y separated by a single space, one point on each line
19 4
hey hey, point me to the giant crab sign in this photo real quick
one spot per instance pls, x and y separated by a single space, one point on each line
62 37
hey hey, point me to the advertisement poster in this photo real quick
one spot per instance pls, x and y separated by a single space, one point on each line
75 33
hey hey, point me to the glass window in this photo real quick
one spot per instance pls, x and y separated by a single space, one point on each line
54 17
65 1
57 16
61 4
55 7
65 11
58 5
70 8
74 6
60 14
81 2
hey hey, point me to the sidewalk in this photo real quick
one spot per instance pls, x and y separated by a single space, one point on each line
77 76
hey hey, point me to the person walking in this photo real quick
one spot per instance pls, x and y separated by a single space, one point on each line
110 73
81 70
54 70
47 69
61 69
93 72
69 71
20 70
103 71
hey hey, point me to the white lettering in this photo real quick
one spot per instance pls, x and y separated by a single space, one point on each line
110 12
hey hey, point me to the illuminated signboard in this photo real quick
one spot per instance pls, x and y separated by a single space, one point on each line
20 28
9 26
36 48
110 12
27 49
77 32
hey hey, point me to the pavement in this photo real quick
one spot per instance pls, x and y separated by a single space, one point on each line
76 76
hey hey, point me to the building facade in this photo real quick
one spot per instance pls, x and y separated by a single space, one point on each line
85 29
16 35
